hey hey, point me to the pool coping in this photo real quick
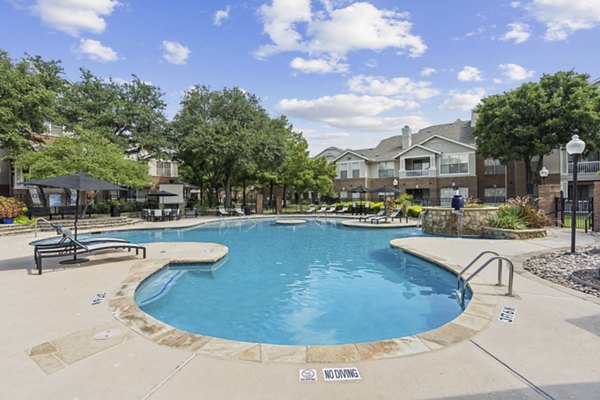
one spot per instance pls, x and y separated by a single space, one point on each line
477 315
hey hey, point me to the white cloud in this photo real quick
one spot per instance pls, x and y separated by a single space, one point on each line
463 101
221 15
470 74
428 71
351 112
515 72
400 87
175 53
96 51
318 65
517 31
515 4
75 16
333 32
564 17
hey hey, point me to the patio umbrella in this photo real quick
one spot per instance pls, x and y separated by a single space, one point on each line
386 190
162 193
360 189
80 182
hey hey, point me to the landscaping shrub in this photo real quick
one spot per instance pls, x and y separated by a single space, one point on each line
11 207
519 213
414 211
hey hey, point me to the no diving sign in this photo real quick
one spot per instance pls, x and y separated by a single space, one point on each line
341 374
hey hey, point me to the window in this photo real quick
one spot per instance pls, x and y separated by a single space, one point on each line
493 167
419 165
494 192
385 169
446 194
454 164
355 169
163 168
342 170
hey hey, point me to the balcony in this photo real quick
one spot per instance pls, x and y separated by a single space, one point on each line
585 167
417 173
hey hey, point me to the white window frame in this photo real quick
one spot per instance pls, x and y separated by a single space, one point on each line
467 155
342 167
498 167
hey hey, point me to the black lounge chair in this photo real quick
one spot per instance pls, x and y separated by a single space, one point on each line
69 246
367 217
384 218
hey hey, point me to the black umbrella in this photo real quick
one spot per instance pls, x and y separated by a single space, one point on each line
80 182
163 193
360 189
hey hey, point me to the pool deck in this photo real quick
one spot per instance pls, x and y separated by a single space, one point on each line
47 350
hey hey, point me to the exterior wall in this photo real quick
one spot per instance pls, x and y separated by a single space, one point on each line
547 193
597 206
462 181
444 146
446 221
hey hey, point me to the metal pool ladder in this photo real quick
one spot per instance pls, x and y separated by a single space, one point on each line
461 284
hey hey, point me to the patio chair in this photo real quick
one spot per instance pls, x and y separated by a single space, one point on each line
331 209
75 247
311 209
343 210
239 211
367 217
157 215
222 212
384 218
322 209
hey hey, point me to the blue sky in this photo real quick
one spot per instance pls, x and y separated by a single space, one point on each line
346 73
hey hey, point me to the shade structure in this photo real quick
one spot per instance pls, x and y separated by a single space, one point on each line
80 182
359 189
162 193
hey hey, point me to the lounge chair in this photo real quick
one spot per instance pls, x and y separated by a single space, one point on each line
384 218
331 209
322 209
367 217
311 209
343 210
72 247
239 211
222 212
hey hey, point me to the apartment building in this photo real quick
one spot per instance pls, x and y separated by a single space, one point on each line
431 164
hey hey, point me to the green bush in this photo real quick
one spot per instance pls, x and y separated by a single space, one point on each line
11 207
414 211
519 213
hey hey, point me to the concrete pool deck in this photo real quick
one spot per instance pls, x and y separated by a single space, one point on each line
551 350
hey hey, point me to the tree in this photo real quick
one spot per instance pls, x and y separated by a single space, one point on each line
534 119
88 153
216 131
28 93
131 114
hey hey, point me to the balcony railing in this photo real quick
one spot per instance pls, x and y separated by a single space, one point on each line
585 167
417 173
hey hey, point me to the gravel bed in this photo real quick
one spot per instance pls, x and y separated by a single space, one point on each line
558 266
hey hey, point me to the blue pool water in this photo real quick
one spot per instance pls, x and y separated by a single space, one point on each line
319 283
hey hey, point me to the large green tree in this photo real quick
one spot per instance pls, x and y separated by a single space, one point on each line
131 114
535 119
88 153
218 131
29 89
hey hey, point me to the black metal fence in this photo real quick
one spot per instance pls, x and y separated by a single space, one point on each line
446 202
584 216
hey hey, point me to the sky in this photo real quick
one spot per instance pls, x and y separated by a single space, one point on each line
345 73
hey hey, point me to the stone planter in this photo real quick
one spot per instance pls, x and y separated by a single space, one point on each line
496 233
468 221
8 220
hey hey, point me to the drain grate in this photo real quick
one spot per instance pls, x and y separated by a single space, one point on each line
103 335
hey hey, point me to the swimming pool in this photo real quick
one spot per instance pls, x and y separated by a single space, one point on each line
314 284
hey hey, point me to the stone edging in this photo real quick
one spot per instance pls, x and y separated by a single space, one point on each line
497 233
480 311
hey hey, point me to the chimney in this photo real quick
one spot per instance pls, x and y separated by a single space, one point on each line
406 137
473 118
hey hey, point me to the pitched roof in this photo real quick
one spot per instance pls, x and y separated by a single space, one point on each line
459 131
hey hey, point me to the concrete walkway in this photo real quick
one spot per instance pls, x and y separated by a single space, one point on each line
552 351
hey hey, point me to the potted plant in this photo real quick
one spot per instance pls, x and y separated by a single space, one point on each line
10 208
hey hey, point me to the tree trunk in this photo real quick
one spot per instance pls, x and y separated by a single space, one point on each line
244 193
284 197
228 191
528 177
271 195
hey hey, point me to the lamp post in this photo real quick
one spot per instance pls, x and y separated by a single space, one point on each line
395 183
544 174
575 147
